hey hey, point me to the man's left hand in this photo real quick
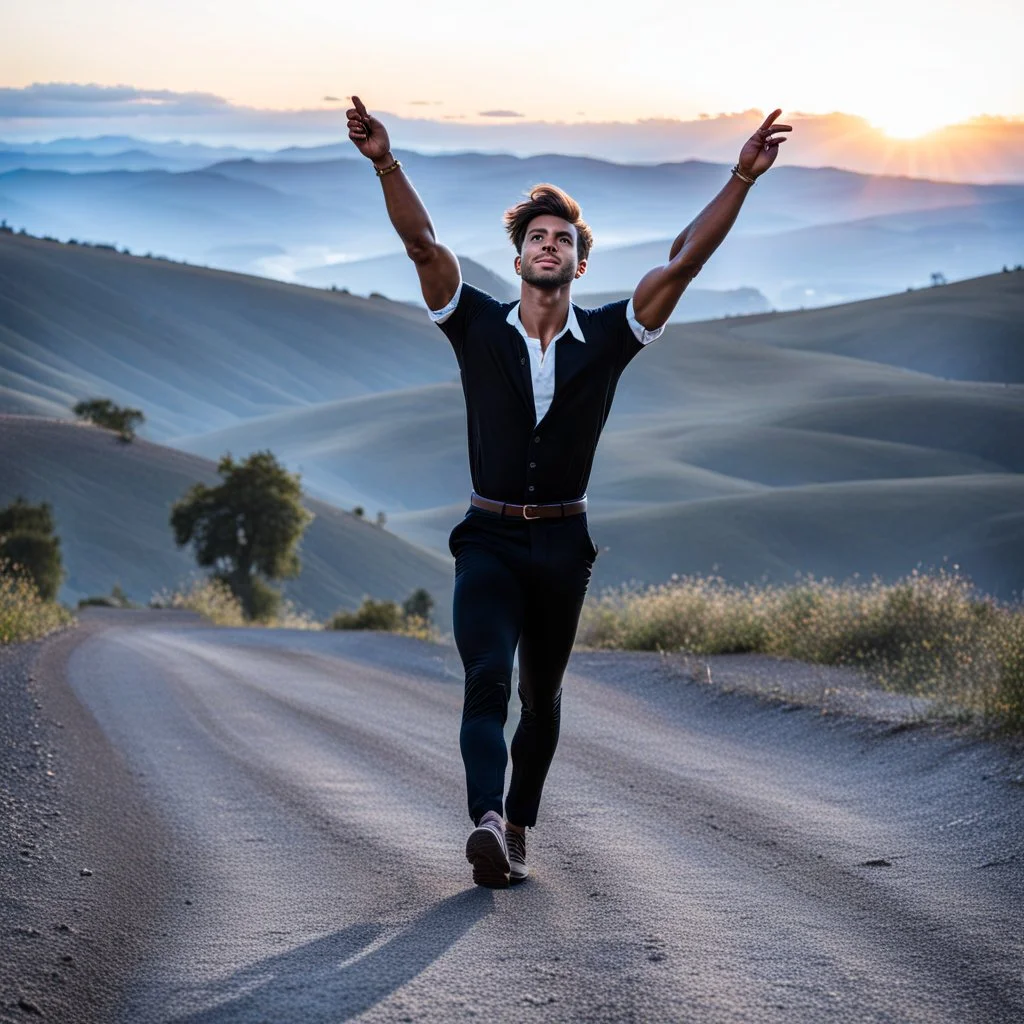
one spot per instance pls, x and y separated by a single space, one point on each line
761 149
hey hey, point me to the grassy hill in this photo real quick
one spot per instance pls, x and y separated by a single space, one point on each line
112 501
197 349
858 438
888 527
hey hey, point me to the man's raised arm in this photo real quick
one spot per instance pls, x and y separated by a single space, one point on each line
659 290
436 264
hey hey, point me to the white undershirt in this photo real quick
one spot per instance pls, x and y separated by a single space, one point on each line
542 363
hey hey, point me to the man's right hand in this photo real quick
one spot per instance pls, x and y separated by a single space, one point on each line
367 133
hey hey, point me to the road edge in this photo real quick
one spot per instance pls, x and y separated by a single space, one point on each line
89 896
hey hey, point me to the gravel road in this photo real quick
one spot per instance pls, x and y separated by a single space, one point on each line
248 825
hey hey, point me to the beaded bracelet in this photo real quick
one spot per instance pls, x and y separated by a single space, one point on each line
739 174
381 171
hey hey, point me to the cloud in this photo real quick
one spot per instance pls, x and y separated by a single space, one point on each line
427 103
66 99
500 113
332 99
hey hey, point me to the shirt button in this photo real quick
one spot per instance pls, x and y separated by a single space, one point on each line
533 465
536 440
522 359
530 488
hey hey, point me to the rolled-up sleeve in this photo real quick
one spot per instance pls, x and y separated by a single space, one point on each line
644 336
440 315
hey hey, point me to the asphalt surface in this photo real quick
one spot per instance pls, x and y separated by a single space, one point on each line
275 825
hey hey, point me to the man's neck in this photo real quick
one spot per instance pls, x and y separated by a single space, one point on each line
543 311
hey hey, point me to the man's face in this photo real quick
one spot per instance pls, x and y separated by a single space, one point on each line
548 259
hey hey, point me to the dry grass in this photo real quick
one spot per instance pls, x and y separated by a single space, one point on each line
929 634
24 615
214 600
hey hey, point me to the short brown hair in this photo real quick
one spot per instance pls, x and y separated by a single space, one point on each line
548 199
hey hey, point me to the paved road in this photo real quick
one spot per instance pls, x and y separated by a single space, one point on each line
701 856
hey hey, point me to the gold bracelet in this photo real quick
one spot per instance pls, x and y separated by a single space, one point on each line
739 174
387 170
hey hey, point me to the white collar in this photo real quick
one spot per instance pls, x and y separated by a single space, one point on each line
571 324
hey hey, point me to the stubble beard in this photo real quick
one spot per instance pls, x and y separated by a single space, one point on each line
549 279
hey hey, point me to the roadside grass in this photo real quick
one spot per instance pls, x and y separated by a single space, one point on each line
926 634
24 615
214 600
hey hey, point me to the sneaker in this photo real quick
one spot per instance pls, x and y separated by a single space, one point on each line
515 843
486 851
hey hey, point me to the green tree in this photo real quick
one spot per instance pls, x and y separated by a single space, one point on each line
247 527
28 541
104 413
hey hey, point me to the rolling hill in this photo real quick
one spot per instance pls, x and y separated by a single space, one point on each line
112 501
197 349
865 437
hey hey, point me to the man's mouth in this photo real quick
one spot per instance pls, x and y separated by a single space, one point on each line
547 260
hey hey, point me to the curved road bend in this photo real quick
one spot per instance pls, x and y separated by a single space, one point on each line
702 856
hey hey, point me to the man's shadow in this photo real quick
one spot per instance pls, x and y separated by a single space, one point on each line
333 978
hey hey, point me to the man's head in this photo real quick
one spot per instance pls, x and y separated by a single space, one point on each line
551 238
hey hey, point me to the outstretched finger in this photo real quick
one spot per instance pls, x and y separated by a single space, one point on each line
360 108
767 121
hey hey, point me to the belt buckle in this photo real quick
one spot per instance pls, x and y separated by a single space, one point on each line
525 516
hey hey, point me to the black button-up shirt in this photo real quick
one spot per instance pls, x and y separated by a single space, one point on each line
512 457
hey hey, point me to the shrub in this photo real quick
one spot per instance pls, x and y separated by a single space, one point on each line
28 542
261 601
411 619
24 614
104 413
117 598
38 557
419 604
371 614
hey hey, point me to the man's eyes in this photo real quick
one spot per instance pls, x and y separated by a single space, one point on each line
562 238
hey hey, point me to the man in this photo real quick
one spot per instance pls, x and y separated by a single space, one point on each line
538 376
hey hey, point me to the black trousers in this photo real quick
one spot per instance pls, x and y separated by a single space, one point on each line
517 583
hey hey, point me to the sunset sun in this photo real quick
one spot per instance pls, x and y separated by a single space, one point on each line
907 123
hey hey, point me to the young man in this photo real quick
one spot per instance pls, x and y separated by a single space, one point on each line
538 376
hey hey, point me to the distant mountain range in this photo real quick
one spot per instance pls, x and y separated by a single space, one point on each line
985 149
862 438
805 236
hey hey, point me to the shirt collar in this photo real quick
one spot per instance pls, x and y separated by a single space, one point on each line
571 324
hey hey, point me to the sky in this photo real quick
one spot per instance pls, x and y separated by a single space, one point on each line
907 66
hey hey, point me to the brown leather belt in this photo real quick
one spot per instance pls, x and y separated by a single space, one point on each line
554 510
